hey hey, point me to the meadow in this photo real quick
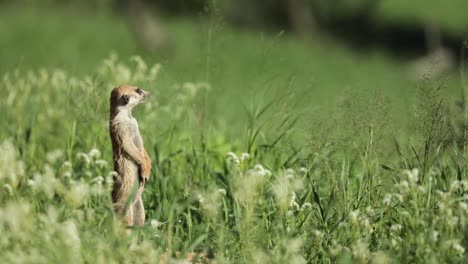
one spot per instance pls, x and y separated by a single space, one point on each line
264 149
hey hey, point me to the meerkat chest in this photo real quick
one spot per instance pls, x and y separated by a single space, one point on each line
127 127
136 134
133 124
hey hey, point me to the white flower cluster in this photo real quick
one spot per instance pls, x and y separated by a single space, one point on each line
237 160
210 202
11 169
54 155
120 72
362 221
284 188
248 182
92 157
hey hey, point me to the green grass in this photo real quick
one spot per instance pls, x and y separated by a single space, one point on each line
332 139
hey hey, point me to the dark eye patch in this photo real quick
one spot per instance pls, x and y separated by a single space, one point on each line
139 91
124 99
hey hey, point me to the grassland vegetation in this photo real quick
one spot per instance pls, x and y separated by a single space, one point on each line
249 164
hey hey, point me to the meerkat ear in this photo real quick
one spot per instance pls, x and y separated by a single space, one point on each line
125 99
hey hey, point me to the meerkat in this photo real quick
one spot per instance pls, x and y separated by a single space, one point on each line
131 161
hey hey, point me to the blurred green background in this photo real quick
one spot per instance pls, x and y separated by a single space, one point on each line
316 48
363 102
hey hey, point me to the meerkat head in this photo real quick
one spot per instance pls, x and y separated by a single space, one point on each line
126 97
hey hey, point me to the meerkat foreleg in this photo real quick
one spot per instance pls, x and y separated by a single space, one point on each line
131 150
138 207
146 166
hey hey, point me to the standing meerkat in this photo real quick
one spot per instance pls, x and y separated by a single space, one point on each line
131 161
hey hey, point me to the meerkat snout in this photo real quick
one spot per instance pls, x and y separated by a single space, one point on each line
144 94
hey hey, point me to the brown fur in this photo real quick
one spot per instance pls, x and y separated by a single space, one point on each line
131 161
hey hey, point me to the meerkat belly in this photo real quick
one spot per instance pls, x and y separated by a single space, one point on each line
137 138
127 168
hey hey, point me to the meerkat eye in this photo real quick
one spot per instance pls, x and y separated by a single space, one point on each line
139 91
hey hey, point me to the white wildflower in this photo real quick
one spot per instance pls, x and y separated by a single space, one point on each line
404 213
455 186
77 194
54 155
94 153
244 156
11 169
84 157
153 72
464 185
15 217
463 205
67 165
360 252
98 180
222 191
395 228
387 200
422 189
455 245
110 179
247 185
306 206
289 173
365 223
88 174
370 211
259 170
303 170
31 183
190 88
295 206
281 189
101 163
412 175
335 248
155 223
8 189
394 243
71 237
319 235
123 73
452 221
232 157
399 197
434 236
201 199
458 248
294 245
404 186
354 216
112 174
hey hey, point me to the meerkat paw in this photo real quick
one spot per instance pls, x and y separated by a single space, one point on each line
146 167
